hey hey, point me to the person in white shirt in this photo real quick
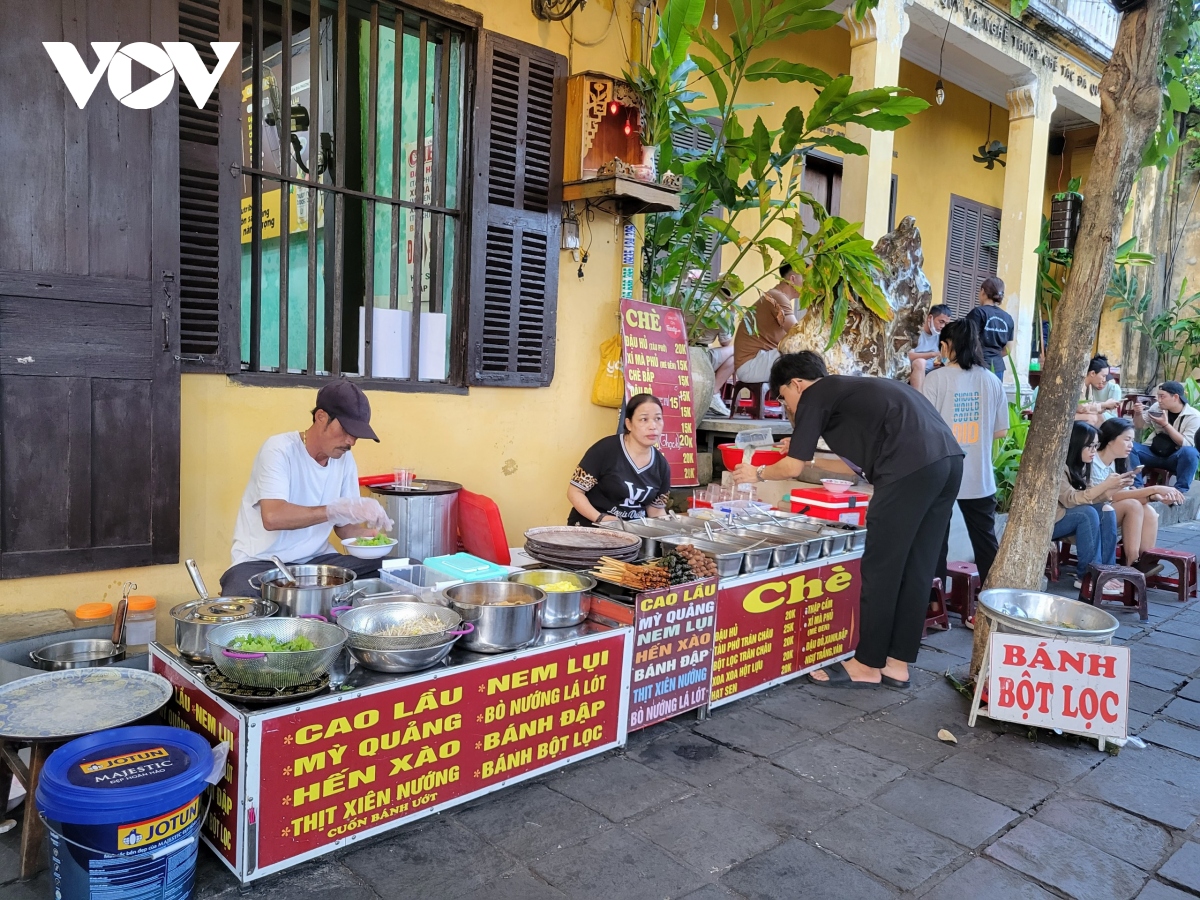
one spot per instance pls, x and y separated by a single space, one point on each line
302 484
1173 446
924 354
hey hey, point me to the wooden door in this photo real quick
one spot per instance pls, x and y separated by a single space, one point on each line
89 257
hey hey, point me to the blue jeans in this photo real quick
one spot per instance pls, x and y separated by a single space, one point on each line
1182 464
1095 533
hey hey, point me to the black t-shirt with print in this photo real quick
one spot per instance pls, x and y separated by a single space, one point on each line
615 486
996 329
884 427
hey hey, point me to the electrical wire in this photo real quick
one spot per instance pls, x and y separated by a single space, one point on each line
543 9
600 40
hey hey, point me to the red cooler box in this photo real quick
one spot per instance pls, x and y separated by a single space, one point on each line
849 507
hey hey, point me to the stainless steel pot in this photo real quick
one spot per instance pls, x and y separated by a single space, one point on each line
195 619
426 517
562 608
87 653
506 615
317 590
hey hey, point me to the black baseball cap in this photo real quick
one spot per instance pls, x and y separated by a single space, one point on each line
346 402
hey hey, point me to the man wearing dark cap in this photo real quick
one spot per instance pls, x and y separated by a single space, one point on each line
302 483
1173 446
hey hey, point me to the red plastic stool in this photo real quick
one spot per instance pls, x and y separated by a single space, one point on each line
1066 552
963 578
935 615
1052 562
480 528
1134 593
758 395
1184 581
1154 476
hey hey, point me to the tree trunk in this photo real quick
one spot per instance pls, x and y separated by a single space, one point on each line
1130 105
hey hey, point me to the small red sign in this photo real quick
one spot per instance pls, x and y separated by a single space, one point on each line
193 709
655 360
672 651
784 625
343 769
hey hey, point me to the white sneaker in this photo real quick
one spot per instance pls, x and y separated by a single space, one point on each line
1114 589
718 406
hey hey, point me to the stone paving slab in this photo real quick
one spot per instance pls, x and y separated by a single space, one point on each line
1184 738
705 835
533 821
1058 760
974 772
1184 629
818 714
1142 673
1174 642
800 871
1183 868
1156 890
1142 795
618 865
616 787
1126 837
517 886
1147 699
1185 711
894 744
839 768
779 799
982 879
691 758
1076 868
754 731
945 809
1191 690
1165 658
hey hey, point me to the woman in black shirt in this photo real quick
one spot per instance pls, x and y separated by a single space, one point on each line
907 451
623 476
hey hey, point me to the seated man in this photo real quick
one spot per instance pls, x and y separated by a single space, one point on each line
303 482
1173 446
1099 398
925 353
756 341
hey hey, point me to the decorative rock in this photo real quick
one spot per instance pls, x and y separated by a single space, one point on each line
868 345
703 380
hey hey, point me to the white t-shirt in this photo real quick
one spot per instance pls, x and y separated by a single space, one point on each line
283 470
1100 470
927 343
974 406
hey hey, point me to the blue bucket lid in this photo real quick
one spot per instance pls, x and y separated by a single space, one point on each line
111 775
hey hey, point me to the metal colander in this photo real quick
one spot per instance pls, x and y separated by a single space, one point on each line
280 669
362 626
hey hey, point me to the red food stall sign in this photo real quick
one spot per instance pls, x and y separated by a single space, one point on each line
192 709
655 360
672 651
784 625
346 769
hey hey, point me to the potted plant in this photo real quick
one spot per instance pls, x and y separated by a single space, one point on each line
1066 207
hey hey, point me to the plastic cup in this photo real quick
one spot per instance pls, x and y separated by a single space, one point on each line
403 477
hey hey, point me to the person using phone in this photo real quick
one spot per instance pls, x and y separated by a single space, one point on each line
1173 446
1083 510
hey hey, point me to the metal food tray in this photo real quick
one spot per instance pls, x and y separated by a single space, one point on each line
785 547
729 560
809 545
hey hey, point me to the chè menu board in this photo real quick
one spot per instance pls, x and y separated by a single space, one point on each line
655 359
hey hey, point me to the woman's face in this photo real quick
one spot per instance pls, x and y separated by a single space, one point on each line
1123 444
1089 451
646 424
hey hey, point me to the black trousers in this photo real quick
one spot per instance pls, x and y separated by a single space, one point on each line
235 582
906 522
980 518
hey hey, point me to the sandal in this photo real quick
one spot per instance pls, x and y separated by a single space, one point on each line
840 677
895 682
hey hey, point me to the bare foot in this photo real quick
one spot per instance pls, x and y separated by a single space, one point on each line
895 668
856 670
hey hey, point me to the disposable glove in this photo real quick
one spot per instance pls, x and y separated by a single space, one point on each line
355 510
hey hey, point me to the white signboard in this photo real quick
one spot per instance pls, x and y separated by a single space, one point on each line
1074 687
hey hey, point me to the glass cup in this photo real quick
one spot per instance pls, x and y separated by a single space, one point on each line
403 477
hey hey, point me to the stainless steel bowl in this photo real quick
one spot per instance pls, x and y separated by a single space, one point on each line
77 654
506 615
317 589
366 626
402 660
1047 615
562 608
194 620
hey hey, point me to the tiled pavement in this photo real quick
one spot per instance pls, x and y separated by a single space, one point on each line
805 792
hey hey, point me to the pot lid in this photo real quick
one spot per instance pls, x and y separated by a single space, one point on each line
431 487
220 610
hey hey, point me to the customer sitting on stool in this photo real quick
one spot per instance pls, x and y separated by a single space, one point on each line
765 324
1173 446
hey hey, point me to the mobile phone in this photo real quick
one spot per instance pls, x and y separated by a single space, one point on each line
1137 471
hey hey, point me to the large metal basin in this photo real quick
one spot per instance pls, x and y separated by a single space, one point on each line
1047 615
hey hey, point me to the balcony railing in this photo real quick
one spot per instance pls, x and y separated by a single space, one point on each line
1090 23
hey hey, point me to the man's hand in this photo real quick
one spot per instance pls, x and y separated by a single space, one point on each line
1159 419
358 510
745 474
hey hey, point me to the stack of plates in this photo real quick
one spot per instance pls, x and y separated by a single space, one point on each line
580 548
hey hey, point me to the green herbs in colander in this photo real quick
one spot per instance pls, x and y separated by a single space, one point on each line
253 643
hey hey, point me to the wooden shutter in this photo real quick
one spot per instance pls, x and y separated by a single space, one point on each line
519 122
210 211
971 252
89 257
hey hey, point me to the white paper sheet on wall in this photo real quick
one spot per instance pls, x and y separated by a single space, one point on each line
391 343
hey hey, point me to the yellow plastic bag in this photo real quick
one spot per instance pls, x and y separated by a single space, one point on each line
609 386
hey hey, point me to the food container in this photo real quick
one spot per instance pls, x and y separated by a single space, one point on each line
785 548
141 625
756 552
1047 615
89 614
728 559
465 567
506 615
317 591
848 507
371 591
194 620
278 669
426 518
401 653
809 545
732 455
369 551
562 608
77 654
426 583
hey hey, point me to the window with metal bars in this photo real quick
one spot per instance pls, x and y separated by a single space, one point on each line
972 252
420 159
